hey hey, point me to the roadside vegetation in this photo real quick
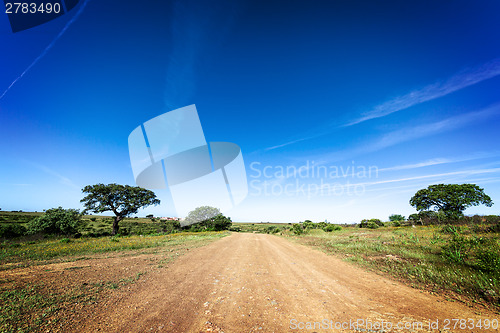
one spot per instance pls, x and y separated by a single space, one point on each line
42 305
440 250
60 235
460 259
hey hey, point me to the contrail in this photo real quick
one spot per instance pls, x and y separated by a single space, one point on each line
44 52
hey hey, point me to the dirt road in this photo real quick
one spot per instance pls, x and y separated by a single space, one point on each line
264 283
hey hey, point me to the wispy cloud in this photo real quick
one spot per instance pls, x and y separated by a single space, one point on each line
457 82
439 161
62 179
420 131
289 143
433 91
410 133
47 49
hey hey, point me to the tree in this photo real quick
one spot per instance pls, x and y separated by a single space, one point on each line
396 218
217 223
122 200
450 199
207 218
201 214
56 221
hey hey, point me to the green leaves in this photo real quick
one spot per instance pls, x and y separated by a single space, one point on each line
56 221
122 200
451 199
201 214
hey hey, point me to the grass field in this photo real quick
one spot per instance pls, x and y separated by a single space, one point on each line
419 257
24 253
93 225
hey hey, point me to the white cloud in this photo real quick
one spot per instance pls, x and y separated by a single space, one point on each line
457 82
439 161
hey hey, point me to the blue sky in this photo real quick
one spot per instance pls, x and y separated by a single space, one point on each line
407 88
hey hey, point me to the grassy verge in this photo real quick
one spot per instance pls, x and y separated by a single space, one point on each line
17 252
42 306
417 257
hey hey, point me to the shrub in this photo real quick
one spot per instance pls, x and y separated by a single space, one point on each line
297 229
492 219
272 230
396 218
371 224
332 227
56 221
93 219
12 230
457 249
170 227
414 218
488 258
216 223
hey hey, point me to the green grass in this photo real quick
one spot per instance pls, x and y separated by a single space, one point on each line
414 256
93 225
37 308
45 249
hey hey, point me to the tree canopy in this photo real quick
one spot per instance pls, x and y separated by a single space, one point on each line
56 221
201 214
122 200
451 199
397 218
207 218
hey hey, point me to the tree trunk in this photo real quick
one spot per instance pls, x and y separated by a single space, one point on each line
115 225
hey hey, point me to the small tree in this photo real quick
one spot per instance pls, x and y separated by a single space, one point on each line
122 200
56 221
396 218
208 218
201 214
451 199
217 223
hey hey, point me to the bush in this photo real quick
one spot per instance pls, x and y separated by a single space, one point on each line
56 221
332 227
11 230
216 223
272 230
414 217
170 227
396 218
297 229
371 224
458 248
488 258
